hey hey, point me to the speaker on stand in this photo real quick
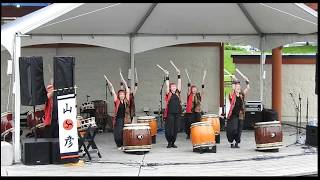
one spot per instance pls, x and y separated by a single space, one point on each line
63 70
32 88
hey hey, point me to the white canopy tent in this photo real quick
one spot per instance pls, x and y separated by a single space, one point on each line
135 28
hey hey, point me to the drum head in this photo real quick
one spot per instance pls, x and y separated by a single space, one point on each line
136 124
210 116
201 124
5 113
146 117
267 123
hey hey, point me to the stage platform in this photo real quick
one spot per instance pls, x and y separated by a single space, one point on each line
295 160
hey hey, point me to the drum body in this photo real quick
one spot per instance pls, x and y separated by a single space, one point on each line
202 134
36 118
136 137
214 120
268 135
6 123
152 121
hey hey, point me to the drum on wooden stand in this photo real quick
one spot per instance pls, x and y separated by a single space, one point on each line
35 121
152 121
87 106
202 136
36 118
215 121
136 137
6 123
100 107
84 124
268 135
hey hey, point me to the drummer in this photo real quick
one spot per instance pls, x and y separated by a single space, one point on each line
193 109
236 113
51 127
132 94
121 112
172 111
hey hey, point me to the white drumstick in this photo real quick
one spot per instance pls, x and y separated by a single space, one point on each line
136 74
161 68
106 78
233 76
245 77
227 72
187 75
204 75
174 66
121 75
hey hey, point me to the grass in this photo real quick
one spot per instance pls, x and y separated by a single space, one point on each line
307 49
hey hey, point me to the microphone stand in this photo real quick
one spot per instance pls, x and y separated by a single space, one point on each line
300 113
297 117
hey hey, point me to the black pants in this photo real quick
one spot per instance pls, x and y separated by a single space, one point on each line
118 130
171 127
191 118
234 129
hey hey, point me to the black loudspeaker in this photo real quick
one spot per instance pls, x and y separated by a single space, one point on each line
55 153
270 115
63 68
248 123
35 152
250 118
312 135
32 88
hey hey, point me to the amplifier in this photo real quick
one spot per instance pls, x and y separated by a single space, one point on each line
251 118
253 106
35 152
312 135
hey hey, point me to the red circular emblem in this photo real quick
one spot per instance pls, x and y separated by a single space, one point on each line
68 124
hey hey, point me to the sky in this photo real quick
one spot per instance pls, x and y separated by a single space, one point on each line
25 4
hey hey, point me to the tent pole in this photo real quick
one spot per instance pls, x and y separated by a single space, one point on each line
132 61
16 91
262 61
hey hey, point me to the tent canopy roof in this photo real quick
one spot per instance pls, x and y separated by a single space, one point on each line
171 19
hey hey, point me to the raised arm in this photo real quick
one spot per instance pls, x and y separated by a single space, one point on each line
202 91
189 88
111 89
245 91
179 80
121 85
125 86
234 79
203 82
167 82
136 82
135 88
